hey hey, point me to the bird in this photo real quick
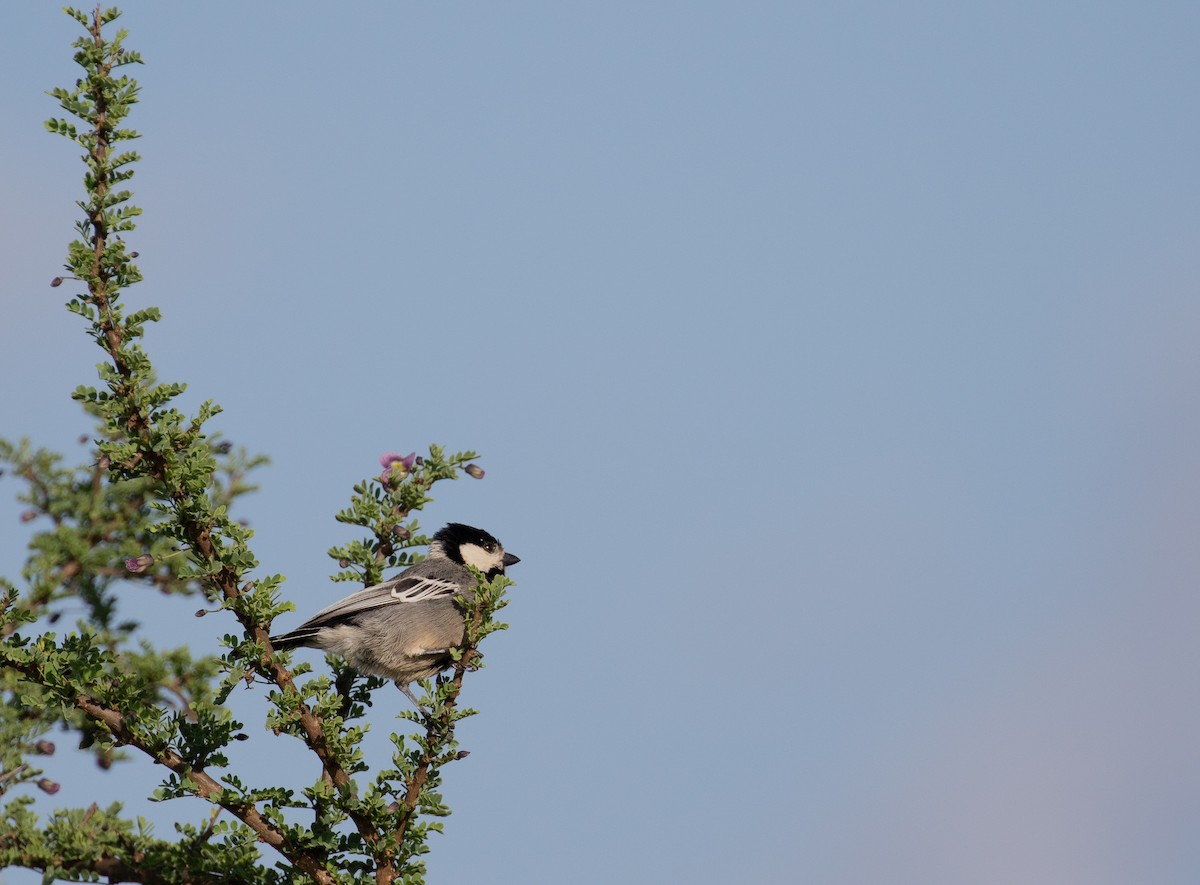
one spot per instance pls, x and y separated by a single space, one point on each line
404 629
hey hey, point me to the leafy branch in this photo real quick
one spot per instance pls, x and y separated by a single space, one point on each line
152 507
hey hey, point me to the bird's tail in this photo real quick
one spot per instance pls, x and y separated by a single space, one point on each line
295 639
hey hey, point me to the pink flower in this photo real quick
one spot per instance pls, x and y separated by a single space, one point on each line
474 470
138 564
395 468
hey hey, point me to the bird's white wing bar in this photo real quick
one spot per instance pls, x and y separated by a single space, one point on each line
424 588
400 590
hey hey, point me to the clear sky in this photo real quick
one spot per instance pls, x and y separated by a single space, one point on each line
835 370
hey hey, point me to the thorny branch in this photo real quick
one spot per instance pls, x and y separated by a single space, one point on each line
135 420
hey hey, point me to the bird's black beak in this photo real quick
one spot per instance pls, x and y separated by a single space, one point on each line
509 559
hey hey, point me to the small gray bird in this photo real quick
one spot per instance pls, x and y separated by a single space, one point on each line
404 628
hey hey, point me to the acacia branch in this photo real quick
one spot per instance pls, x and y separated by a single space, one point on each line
114 868
198 533
144 440
98 284
440 730
106 863
204 785
313 726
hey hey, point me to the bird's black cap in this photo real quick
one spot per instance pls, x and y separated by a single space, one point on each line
456 534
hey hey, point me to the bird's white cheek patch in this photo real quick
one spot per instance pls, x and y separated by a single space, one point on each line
475 555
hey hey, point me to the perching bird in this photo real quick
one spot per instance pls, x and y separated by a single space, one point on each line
404 628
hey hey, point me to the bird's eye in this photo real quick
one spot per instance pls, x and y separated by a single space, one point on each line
490 548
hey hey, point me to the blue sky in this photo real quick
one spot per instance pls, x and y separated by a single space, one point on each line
834 368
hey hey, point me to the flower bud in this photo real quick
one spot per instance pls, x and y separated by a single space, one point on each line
343 563
48 786
138 564
56 282
474 470
45 747
133 254
401 532
28 516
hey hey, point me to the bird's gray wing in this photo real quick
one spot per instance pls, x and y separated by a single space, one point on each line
405 588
